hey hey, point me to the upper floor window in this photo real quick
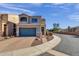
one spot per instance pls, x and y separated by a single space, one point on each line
23 19
34 20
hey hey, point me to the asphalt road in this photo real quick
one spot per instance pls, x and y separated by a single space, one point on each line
69 44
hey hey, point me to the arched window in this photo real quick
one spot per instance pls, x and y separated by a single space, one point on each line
23 19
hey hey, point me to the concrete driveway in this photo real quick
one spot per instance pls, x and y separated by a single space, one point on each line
15 43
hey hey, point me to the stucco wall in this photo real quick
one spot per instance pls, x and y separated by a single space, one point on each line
10 28
13 18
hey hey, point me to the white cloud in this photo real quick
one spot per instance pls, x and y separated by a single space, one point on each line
37 4
74 17
47 5
57 3
9 12
10 6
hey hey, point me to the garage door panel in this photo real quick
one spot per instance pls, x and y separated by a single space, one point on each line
27 31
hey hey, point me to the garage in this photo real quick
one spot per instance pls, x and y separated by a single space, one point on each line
25 32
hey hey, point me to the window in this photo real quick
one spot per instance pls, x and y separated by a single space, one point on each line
34 20
23 19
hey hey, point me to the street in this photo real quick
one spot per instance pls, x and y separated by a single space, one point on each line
69 44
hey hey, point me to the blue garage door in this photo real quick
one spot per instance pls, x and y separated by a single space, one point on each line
24 32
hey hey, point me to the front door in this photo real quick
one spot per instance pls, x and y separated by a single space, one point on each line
14 29
4 33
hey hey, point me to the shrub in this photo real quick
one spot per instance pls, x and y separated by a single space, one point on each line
50 34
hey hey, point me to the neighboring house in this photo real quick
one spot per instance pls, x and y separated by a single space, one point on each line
71 29
21 25
8 21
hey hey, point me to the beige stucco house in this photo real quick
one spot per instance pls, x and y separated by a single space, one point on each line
22 25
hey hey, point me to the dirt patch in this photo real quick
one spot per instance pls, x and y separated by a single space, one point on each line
40 41
36 42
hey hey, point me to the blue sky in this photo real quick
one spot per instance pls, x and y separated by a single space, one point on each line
64 14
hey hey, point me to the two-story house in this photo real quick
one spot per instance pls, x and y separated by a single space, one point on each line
30 25
22 25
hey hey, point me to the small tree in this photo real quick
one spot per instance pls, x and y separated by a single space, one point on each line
55 27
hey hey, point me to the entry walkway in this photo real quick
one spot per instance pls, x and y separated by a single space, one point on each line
36 50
